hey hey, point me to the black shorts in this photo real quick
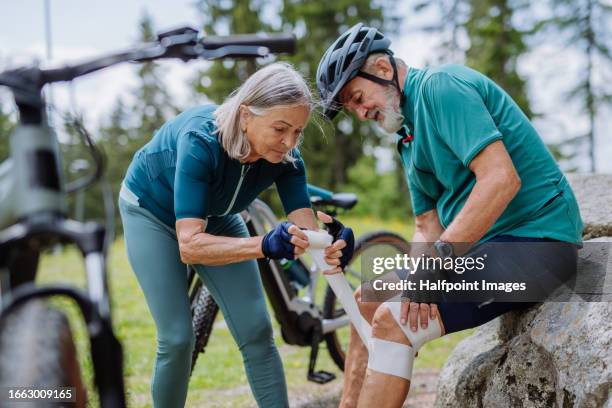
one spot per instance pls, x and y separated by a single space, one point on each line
541 265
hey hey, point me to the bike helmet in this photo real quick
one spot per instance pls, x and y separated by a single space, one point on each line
343 61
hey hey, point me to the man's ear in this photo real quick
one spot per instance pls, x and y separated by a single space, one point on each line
383 67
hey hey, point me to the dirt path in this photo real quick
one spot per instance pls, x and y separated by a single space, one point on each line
309 395
422 393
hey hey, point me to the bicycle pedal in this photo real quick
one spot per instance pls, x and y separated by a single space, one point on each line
321 377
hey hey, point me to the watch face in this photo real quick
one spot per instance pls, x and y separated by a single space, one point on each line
444 249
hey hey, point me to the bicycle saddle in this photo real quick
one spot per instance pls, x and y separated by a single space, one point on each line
341 200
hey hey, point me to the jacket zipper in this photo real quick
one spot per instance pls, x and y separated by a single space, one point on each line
243 171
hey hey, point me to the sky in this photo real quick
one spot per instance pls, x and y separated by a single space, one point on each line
80 31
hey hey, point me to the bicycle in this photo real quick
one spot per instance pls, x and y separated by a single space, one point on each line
36 345
307 319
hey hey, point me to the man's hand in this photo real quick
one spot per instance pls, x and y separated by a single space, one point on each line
412 313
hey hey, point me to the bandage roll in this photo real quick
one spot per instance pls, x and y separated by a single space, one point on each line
317 242
318 239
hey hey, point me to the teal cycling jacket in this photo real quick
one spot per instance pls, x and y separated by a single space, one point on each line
183 172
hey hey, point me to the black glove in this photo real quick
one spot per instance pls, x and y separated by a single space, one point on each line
338 231
277 243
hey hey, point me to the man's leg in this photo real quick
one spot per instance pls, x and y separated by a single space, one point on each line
380 388
546 266
357 356
368 300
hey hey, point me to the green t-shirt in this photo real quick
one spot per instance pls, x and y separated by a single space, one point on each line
184 172
452 113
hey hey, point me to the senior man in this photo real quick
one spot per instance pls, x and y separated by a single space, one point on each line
478 174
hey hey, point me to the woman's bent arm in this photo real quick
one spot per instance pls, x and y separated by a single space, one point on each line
198 247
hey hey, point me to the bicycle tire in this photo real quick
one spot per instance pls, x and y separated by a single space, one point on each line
334 346
38 352
204 311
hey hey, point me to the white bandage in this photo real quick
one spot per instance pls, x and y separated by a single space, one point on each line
344 293
317 242
389 357
383 356
421 336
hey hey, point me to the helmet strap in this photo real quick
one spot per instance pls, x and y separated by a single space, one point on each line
386 82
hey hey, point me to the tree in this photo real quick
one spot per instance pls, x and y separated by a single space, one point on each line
153 104
496 45
448 23
127 129
384 199
221 17
120 142
586 25
318 23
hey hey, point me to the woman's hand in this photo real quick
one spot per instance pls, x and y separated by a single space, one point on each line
341 251
286 240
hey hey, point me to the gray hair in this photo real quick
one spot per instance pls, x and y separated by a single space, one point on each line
368 65
276 85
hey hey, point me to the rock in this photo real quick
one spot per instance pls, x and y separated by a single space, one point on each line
591 191
552 355
577 337
514 382
467 359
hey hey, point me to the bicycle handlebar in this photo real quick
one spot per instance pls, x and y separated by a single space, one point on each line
275 43
183 43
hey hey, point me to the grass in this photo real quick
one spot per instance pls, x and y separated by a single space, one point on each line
219 378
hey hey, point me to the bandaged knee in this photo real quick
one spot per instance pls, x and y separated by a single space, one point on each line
384 356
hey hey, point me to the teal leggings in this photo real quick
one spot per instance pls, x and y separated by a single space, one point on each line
153 253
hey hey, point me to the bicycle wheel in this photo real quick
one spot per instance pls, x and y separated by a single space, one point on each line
38 352
381 243
204 310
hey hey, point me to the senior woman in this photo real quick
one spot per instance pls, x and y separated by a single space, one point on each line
179 204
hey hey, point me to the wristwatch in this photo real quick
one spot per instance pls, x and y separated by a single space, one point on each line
444 249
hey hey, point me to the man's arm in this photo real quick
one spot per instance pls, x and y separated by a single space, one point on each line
427 227
497 182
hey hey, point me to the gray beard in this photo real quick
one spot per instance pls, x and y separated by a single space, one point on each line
393 119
